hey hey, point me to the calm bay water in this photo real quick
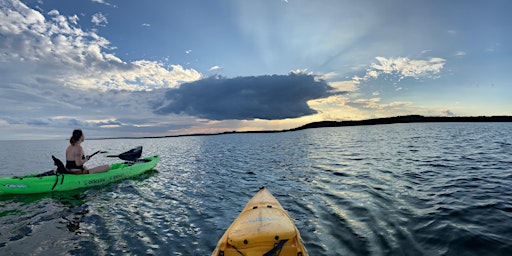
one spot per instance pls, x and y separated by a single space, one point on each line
401 189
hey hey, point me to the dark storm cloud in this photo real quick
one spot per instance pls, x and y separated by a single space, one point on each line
242 98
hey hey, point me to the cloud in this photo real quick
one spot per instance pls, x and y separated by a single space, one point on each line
62 122
447 112
103 2
51 67
99 19
59 51
374 103
245 98
344 86
215 68
403 67
74 19
303 71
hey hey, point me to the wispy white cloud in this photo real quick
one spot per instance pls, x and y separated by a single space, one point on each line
74 19
214 68
305 71
344 86
103 2
403 67
326 76
375 103
99 19
492 48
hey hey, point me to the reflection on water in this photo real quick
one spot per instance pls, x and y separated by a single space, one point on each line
424 189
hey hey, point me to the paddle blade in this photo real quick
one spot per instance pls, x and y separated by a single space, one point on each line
130 155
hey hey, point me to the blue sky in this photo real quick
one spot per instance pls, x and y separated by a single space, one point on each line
127 68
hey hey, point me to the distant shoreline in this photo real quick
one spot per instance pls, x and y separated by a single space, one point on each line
408 119
375 121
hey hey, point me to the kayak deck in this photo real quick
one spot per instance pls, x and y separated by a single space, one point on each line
262 228
35 183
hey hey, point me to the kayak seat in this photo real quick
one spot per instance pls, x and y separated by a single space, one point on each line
261 226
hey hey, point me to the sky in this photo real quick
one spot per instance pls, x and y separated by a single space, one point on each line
117 68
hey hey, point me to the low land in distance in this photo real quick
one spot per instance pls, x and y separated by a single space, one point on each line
375 121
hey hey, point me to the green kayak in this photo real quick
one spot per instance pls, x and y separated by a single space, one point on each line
38 183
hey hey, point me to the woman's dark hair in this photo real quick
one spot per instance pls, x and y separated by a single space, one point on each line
77 134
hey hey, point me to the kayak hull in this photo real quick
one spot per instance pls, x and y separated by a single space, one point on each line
31 184
262 228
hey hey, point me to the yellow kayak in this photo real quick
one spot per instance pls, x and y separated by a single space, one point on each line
262 228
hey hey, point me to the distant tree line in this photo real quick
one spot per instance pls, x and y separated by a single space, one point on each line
376 121
406 119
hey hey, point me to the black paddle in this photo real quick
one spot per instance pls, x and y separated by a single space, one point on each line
83 157
130 155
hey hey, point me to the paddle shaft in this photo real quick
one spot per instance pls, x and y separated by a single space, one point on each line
93 154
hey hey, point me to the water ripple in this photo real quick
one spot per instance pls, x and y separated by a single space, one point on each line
405 189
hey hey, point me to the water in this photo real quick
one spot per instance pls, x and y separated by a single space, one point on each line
402 189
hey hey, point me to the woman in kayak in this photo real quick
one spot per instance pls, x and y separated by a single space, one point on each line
75 158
